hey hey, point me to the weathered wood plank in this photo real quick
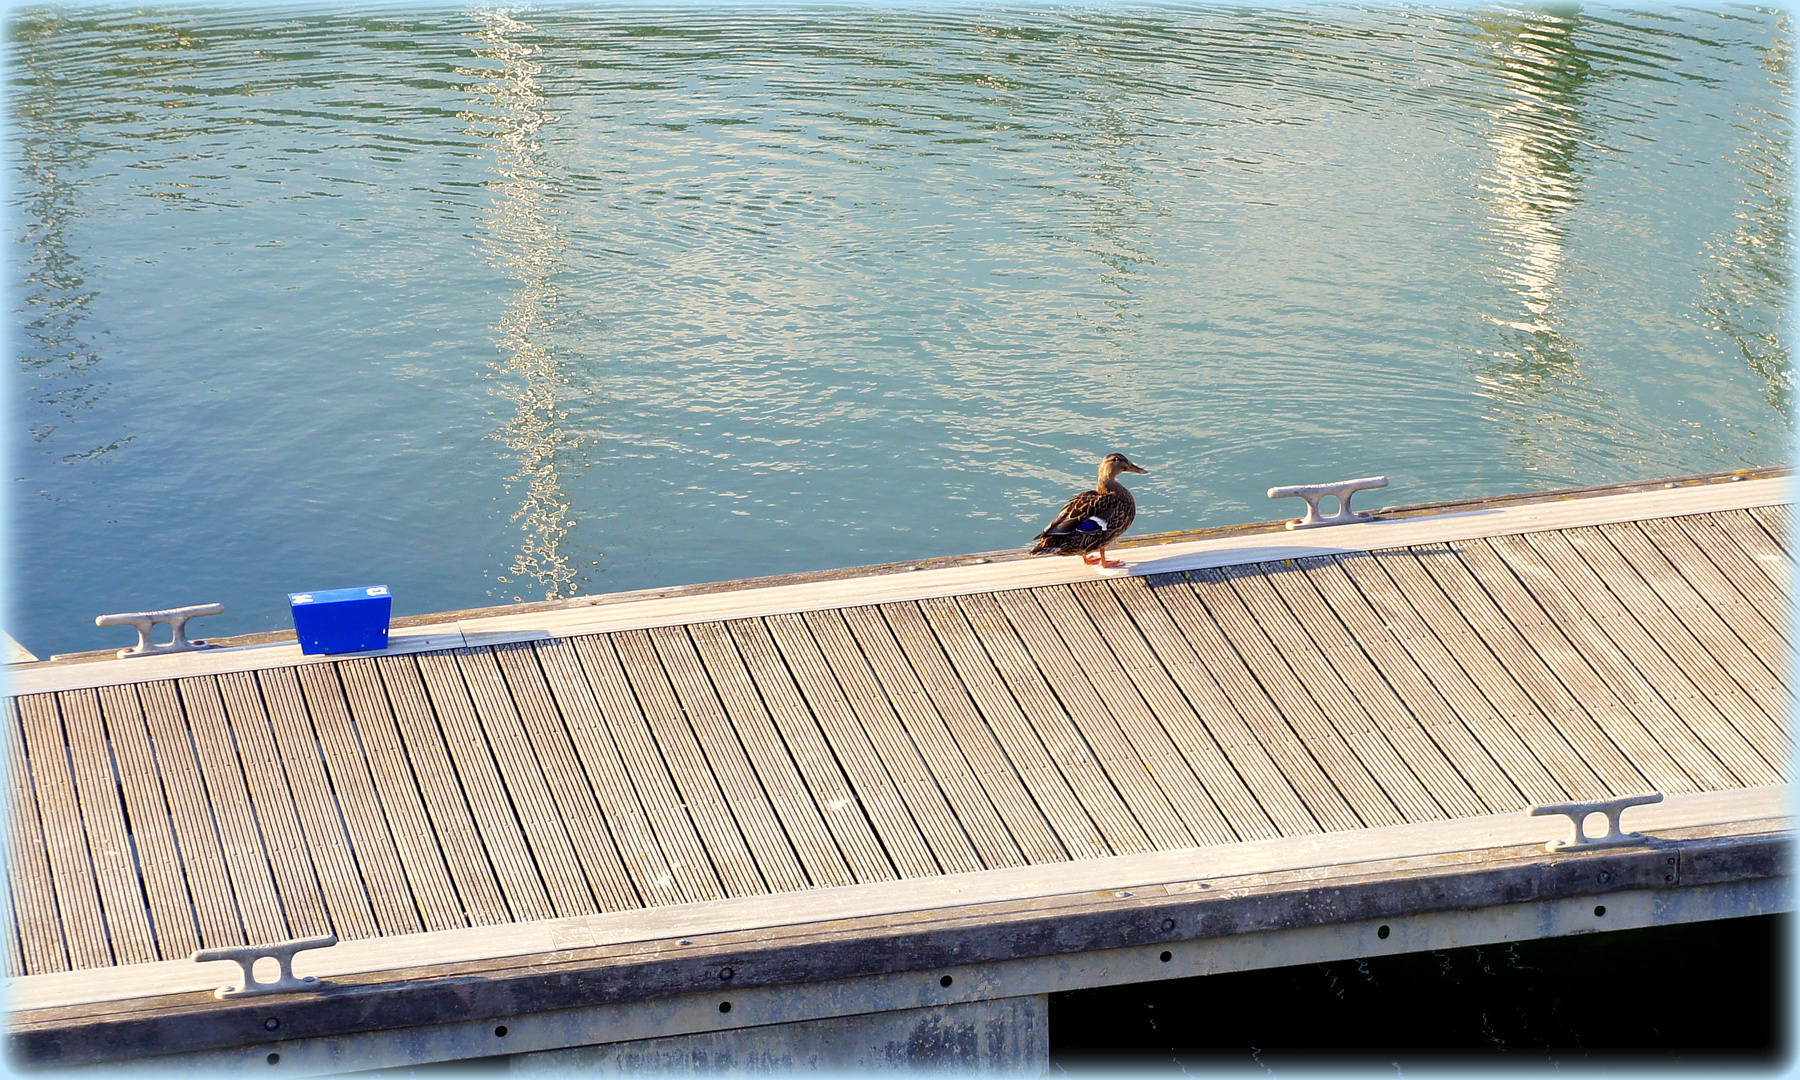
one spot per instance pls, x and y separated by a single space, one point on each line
1217 720
28 862
905 693
826 782
65 841
745 713
921 657
1759 546
240 838
15 951
321 820
633 831
1129 771
950 844
109 850
158 855
1681 669
590 837
397 792
1529 639
688 863
478 892
1725 577
943 644
1778 522
202 856
743 792
1325 650
1018 671
1701 757
1387 682
903 838
526 784
1732 632
346 762
1117 695
1538 759
290 860
1350 775
730 854
1762 585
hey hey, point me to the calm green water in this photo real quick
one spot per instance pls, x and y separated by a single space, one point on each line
489 305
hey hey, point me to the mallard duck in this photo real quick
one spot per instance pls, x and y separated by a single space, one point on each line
1093 519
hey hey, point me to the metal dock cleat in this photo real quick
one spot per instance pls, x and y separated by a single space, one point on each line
282 952
1341 490
1577 813
177 619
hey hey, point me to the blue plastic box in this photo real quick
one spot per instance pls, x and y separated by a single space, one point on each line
342 620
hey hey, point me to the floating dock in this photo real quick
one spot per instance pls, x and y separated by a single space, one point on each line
859 819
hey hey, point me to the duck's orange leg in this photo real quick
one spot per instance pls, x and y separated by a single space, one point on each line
1102 561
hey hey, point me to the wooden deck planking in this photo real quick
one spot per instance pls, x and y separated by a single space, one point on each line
742 790
1733 633
967 732
646 854
746 714
508 850
789 751
65 841
1219 719
1619 749
171 910
832 788
586 827
109 849
1568 614
1449 764
1691 680
1778 522
523 780
966 684
478 892
699 792
944 833
1140 666
32 888
397 792
1137 772
278 818
918 717
196 835
1385 679
902 837
240 835
321 819
1009 657
1346 769
372 843
1107 688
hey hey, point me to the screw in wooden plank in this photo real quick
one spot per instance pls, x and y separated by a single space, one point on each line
1341 491
177 618
282 952
1577 813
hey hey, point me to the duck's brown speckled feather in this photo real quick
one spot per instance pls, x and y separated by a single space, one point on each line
1116 507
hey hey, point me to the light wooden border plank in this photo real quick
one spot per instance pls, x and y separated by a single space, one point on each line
768 754
397 793
240 837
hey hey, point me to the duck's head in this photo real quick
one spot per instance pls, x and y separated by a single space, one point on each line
1113 464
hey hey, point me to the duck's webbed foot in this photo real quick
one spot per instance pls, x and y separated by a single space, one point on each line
1098 559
